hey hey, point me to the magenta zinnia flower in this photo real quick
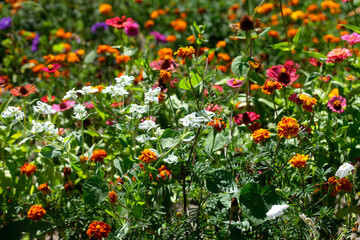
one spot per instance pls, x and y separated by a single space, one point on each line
246 118
285 75
337 104
132 29
235 83
338 55
51 68
117 22
64 105
352 39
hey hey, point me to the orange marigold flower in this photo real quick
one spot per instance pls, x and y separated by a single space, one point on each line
147 156
218 124
260 135
254 87
333 181
44 188
23 90
98 230
344 185
274 34
221 44
105 9
270 86
165 76
287 127
80 52
191 39
224 56
122 59
179 25
112 196
98 155
161 97
265 8
149 24
28 169
184 52
222 68
299 160
308 102
171 38
164 172
69 185
36 212
99 88
72 58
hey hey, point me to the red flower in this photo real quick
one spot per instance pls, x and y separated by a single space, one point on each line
98 230
23 90
117 22
51 68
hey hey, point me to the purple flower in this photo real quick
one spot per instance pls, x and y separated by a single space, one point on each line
5 23
235 83
65 105
158 37
35 43
337 104
132 29
96 26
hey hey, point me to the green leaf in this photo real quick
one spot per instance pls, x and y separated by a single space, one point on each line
169 138
221 181
220 141
255 77
297 37
316 55
95 191
352 27
188 85
239 66
283 46
51 151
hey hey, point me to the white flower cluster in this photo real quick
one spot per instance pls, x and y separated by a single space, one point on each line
39 127
152 95
196 120
276 211
148 125
119 88
13 112
43 108
72 94
80 112
138 110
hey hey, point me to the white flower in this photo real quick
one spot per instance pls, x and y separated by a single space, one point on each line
43 108
192 121
143 138
276 211
124 80
37 127
344 170
158 132
80 112
115 91
13 112
71 94
152 95
87 90
138 110
147 125
50 128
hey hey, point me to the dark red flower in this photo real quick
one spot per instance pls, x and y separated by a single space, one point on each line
246 118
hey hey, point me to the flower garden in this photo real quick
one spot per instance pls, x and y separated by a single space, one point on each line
179 120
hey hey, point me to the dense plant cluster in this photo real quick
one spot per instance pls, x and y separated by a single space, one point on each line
179 120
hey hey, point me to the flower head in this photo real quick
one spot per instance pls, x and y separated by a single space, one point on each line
36 212
160 38
235 83
98 230
132 29
69 185
299 160
344 170
352 39
64 105
119 23
337 104
185 52
338 55
28 169
287 127
246 118
308 102
13 112
43 108
98 155
44 188
270 86
5 23
147 156
51 68
218 124
112 196
343 184
99 25
285 75
276 211
260 135
23 90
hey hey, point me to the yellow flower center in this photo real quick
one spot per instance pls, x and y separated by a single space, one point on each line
98 226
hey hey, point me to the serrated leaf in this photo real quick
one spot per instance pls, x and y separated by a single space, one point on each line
221 181
95 191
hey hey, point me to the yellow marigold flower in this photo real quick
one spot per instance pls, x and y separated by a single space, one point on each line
36 212
299 160
105 9
308 102
287 127
334 92
260 135
147 156
253 64
165 76
184 52
270 86
297 15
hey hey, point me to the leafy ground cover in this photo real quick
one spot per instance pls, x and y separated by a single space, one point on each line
179 120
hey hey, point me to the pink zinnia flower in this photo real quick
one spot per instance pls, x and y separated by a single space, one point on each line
166 65
132 29
315 62
338 55
344 1
89 105
285 75
324 78
246 118
117 22
64 105
337 104
51 68
352 39
291 64
214 108
235 83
